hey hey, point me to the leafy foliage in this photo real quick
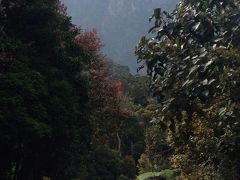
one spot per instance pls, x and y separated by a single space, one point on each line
193 60
165 174
44 116
89 40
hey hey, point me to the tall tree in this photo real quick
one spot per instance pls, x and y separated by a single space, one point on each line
193 60
44 119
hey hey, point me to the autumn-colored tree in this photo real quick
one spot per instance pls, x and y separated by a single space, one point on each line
106 97
113 124
105 94
90 40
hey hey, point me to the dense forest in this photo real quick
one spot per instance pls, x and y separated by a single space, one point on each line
68 113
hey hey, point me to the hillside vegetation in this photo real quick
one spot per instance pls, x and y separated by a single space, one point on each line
69 113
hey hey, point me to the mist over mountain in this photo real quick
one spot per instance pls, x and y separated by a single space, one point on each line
120 23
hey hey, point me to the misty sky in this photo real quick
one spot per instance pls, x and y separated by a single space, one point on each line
120 23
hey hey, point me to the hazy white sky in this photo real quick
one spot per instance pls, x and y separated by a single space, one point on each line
120 23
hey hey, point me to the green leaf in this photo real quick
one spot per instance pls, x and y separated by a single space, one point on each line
157 13
196 26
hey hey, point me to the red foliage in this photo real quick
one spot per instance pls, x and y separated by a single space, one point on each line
90 40
118 90
106 98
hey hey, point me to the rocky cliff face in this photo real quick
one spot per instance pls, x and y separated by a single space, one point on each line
120 23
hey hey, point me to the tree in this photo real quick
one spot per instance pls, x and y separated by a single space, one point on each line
44 119
136 88
194 64
105 101
90 41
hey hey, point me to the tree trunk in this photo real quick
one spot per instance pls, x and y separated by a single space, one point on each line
132 148
119 143
19 160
